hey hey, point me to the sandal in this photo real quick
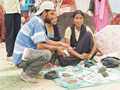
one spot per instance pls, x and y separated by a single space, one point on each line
2 45
49 65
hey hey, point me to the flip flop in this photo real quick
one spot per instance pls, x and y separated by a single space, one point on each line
49 65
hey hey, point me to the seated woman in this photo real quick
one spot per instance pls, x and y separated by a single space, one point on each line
52 33
65 6
80 37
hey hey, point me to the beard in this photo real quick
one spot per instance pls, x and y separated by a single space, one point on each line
47 20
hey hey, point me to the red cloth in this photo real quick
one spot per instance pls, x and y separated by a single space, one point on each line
2 19
117 19
26 16
64 2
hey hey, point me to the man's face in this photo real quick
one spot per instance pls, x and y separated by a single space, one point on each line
49 16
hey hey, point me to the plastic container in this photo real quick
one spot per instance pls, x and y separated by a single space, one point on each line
82 65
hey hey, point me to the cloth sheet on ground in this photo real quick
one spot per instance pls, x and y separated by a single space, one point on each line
89 76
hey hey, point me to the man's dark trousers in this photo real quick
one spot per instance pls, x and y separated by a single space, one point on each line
13 25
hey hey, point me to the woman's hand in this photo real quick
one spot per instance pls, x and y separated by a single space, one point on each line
112 18
86 12
89 57
84 56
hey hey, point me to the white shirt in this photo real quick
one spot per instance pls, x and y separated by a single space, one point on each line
11 6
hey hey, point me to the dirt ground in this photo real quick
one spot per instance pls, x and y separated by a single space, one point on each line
46 84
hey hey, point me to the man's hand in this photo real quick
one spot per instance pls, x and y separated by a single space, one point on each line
65 45
60 51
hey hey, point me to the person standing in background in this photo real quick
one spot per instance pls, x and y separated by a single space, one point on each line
65 6
12 24
102 10
37 4
2 20
92 9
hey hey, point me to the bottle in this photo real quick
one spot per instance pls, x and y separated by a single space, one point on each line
81 65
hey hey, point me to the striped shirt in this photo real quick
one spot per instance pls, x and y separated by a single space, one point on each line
30 34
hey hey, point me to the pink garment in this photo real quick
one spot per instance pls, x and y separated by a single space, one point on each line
93 15
65 9
64 2
102 14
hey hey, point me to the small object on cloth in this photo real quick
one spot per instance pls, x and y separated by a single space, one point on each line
51 75
110 62
105 74
80 78
102 69
88 64
81 65
66 75
70 82
75 69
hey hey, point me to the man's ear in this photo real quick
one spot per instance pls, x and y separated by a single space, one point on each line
44 13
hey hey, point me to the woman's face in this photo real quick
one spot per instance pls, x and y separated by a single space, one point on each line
78 20
54 20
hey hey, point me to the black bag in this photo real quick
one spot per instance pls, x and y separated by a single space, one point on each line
110 62
51 75
88 64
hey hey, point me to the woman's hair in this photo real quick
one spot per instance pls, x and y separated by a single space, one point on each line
78 12
99 0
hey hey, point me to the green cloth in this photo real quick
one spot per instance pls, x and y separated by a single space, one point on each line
84 83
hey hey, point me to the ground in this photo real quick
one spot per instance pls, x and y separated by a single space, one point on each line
10 79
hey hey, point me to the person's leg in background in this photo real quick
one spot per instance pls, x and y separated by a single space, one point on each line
17 24
9 37
36 61
12 24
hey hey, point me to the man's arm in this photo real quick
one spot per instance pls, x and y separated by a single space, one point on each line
46 46
74 4
51 47
50 42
